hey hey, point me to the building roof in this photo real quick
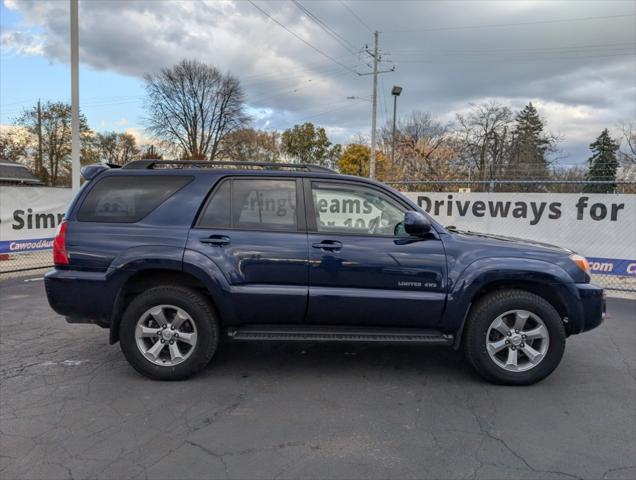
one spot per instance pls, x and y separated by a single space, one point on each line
14 172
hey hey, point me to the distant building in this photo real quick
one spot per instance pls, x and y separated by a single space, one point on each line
14 173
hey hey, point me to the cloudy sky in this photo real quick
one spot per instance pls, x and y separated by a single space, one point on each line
576 60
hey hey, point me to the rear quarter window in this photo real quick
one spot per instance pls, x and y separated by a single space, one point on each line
128 199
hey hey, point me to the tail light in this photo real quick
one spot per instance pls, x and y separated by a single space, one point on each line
60 255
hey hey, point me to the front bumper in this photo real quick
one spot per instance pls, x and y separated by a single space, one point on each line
591 311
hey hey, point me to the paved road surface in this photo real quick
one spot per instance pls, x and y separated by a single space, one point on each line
71 407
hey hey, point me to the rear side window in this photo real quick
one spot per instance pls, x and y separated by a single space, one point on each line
252 204
217 211
128 199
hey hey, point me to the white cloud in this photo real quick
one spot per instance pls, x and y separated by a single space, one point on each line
22 43
579 91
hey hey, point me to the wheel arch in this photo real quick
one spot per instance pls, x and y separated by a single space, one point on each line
143 280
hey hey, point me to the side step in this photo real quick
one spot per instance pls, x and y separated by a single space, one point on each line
313 333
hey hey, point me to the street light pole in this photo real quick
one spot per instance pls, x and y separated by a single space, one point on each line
396 93
75 126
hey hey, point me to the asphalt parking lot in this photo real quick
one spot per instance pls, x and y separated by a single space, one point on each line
71 407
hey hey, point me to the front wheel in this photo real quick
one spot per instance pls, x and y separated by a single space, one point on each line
169 332
514 337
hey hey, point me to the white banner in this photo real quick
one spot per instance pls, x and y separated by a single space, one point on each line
599 226
29 216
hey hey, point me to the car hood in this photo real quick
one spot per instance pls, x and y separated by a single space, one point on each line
509 241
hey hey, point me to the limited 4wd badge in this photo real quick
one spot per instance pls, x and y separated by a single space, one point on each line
417 284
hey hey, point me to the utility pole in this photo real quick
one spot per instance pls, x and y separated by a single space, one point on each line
376 34
40 163
75 126
377 59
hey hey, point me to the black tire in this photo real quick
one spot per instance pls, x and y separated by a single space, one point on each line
196 305
486 310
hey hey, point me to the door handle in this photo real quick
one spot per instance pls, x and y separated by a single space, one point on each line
217 240
331 245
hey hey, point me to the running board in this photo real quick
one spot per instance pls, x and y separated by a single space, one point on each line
311 333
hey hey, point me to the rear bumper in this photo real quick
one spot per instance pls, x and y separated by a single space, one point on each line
82 297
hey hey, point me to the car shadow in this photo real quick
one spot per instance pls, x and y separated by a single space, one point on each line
314 358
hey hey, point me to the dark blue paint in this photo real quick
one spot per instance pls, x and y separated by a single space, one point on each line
294 277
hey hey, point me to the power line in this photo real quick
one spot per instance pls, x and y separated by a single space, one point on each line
511 59
348 105
355 15
606 46
517 24
278 93
331 32
301 39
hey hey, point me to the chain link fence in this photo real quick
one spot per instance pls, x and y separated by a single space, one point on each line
15 263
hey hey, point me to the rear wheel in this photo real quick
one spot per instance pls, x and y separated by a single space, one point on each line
169 332
514 337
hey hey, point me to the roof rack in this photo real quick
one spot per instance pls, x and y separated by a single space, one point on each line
150 164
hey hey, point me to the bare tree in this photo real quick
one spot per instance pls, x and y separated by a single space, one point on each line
628 152
484 133
194 105
424 148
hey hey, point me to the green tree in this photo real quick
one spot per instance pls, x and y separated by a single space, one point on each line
309 144
602 164
56 140
530 146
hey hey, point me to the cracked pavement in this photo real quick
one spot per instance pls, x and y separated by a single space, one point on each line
71 407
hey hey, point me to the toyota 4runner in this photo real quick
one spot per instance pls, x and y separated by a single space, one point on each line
173 256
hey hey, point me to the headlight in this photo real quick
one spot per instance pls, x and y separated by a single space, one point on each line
581 262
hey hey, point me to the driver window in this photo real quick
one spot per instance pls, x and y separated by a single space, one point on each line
355 210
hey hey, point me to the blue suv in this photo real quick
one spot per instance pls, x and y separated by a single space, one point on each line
172 257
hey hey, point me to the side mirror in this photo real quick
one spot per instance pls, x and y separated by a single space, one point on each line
416 223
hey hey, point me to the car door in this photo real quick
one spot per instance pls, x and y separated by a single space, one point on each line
364 269
253 229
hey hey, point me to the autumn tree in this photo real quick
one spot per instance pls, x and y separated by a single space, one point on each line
356 158
602 165
424 149
117 148
250 145
484 138
15 144
194 105
309 144
56 139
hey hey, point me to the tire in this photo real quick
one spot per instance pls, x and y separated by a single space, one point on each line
170 305
485 334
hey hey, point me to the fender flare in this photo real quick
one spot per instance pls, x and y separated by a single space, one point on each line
190 262
488 271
